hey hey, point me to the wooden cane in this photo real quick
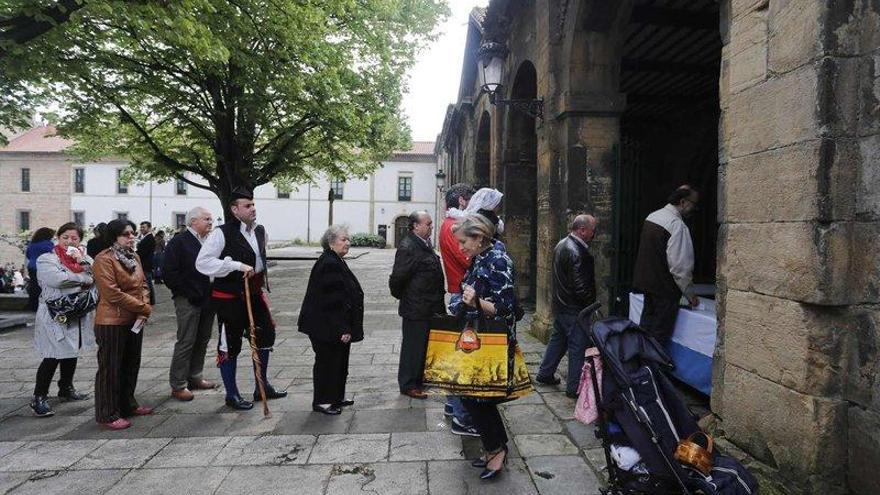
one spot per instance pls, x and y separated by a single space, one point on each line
255 356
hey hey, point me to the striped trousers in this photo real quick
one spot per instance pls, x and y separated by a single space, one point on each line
119 360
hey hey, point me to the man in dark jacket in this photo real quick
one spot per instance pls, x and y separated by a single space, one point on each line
192 302
574 288
146 246
417 281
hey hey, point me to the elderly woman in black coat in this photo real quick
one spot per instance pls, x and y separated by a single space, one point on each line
332 315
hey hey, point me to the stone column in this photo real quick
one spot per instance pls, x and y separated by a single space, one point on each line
796 378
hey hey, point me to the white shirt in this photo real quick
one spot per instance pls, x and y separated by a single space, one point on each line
209 263
679 248
196 235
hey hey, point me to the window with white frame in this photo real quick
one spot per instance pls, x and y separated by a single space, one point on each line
180 187
404 188
79 218
79 180
25 180
283 191
121 215
338 186
24 220
121 186
179 220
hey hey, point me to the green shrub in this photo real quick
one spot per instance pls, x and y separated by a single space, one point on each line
367 240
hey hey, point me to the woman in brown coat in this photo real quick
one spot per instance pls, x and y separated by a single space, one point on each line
123 307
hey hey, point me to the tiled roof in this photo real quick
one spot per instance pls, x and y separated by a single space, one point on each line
418 148
38 140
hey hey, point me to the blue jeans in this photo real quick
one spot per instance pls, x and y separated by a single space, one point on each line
567 336
458 410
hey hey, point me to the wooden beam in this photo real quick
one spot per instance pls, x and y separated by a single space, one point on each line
661 16
636 65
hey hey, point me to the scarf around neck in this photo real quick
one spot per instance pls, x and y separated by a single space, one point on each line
67 260
125 257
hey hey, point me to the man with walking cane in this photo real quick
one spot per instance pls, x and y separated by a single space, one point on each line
234 255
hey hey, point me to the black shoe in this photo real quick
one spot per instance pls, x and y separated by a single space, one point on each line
41 407
571 395
489 474
479 463
463 430
553 380
331 410
344 403
70 394
271 393
238 403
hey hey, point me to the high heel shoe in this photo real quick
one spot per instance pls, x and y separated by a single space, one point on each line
479 462
489 474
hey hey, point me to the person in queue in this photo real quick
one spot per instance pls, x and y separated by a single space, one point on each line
123 309
489 282
417 281
487 202
665 263
235 254
64 270
191 294
96 243
574 288
332 315
146 247
40 244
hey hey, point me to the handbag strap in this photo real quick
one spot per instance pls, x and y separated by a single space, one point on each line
482 322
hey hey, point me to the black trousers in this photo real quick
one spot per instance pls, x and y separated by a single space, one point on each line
659 315
119 361
234 324
330 371
412 354
33 289
46 371
488 422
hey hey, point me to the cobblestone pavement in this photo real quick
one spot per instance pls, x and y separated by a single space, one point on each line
386 444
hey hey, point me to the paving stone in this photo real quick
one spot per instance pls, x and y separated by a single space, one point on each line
460 477
202 403
7 447
33 428
296 480
387 478
140 427
351 448
542 444
254 424
10 480
531 419
596 459
165 481
276 450
387 421
425 446
435 420
562 475
47 455
313 423
188 452
197 425
122 454
561 405
584 436
68 482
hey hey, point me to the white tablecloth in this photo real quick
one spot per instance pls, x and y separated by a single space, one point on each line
692 343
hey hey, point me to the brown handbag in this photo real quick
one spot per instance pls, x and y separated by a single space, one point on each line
695 455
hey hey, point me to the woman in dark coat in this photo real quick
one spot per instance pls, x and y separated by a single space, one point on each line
41 243
332 315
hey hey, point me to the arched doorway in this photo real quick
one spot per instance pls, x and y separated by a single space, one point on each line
401 229
520 180
483 151
669 72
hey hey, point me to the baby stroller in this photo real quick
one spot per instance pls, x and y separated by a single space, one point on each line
639 408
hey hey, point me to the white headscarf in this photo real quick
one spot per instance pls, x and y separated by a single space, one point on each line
486 199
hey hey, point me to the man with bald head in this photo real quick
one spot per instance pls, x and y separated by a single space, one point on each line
574 288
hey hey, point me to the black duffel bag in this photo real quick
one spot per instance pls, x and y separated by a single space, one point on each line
72 306
727 477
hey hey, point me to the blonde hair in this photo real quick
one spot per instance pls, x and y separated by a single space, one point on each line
475 226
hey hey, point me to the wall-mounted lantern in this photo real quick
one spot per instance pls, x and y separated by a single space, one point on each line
490 68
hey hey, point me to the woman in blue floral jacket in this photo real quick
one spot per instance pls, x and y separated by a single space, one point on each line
489 281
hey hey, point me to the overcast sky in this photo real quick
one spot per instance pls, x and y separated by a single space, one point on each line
433 82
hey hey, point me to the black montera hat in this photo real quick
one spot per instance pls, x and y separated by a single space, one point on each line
241 192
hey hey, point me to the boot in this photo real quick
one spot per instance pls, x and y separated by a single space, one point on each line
70 394
271 392
41 406
227 372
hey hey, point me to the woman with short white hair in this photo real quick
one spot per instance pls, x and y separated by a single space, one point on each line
332 315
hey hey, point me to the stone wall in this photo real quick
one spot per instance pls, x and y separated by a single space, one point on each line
48 201
797 370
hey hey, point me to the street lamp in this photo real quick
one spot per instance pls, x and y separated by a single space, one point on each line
490 67
441 179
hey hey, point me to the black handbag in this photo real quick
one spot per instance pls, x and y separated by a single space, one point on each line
72 306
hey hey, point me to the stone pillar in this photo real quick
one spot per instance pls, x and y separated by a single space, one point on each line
797 371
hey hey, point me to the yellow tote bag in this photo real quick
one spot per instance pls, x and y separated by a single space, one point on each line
475 363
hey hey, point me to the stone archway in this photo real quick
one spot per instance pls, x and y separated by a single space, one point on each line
482 177
520 181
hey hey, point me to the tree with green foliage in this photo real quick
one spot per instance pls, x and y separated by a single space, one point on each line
223 93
